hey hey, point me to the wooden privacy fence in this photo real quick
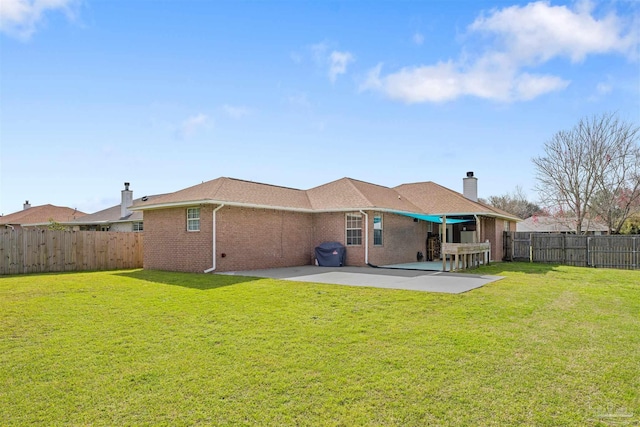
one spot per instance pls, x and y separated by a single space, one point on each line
570 249
39 251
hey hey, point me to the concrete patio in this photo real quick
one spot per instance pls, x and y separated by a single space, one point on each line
390 278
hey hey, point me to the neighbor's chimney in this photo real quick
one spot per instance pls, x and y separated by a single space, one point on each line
127 200
26 205
470 187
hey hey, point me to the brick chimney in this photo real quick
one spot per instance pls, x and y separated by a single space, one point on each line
26 205
127 200
470 187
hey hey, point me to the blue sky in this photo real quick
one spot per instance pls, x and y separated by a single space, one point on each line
168 94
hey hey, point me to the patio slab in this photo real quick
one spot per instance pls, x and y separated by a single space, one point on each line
413 280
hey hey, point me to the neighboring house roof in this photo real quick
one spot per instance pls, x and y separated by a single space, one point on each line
549 224
111 215
341 195
438 200
41 214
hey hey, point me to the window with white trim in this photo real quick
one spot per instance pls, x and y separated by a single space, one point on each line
137 226
377 230
193 219
354 229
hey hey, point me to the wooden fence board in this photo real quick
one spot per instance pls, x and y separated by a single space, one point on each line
39 251
577 250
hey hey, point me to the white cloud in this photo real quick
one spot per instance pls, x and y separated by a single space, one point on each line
520 39
604 88
319 52
299 99
418 39
192 124
20 18
527 86
338 63
538 32
235 112
446 81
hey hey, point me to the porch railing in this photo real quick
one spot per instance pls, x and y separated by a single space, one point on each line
465 255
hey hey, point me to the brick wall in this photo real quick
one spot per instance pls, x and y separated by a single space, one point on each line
245 239
168 244
492 230
262 238
330 227
402 238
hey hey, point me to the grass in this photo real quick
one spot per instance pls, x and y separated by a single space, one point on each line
546 346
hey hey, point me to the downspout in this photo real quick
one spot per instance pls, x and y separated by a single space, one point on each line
366 237
213 244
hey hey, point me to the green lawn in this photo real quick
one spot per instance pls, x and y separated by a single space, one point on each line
547 345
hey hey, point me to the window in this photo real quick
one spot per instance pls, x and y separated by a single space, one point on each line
377 230
193 219
507 226
354 229
137 226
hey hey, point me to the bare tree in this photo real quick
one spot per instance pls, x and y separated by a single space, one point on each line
585 169
618 189
515 203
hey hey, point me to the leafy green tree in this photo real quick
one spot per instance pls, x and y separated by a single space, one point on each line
54 225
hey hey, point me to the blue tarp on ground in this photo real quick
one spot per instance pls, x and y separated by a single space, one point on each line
431 218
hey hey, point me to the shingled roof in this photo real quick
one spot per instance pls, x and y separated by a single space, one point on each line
232 191
341 195
348 193
41 214
438 200
112 214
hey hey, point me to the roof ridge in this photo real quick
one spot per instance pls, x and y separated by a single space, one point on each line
260 183
368 183
366 199
417 182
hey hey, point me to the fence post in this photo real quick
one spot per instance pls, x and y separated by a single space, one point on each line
513 244
588 252
530 247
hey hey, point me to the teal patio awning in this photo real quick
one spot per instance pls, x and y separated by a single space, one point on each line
431 218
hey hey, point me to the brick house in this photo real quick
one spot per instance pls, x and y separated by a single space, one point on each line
249 225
